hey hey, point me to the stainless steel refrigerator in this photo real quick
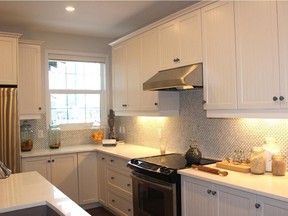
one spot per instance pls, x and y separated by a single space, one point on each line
9 128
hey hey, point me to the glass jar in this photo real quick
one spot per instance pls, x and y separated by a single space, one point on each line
26 136
279 165
54 134
257 161
97 134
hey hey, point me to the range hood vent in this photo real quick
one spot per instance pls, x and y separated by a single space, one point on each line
182 78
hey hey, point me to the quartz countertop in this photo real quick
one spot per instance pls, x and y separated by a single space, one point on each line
30 189
125 151
264 185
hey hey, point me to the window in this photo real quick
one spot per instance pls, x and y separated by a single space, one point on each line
76 90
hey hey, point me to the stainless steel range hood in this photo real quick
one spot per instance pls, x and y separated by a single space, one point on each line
181 78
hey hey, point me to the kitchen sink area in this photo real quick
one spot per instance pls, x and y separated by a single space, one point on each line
43 210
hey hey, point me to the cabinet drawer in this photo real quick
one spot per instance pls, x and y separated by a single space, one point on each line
118 162
120 179
120 204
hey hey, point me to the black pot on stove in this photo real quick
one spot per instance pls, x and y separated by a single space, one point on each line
193 155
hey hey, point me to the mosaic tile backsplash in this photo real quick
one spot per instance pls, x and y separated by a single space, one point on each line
217 138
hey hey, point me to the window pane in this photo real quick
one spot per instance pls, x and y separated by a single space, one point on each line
75 75
75 108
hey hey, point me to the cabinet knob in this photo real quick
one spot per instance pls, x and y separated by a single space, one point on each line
281 98
156 104
103 158
52 161
275 98
214 193
176 60
39 108
111 160
203 102
112 177
257 205
128 185
49 161
129 210
209 191
113 200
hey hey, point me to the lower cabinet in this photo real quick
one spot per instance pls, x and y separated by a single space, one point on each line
115 184
60 170
203 198
87 177
74 174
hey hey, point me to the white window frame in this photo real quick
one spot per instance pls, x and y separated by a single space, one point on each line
77 56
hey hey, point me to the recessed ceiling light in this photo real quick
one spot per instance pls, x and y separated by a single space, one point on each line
70 9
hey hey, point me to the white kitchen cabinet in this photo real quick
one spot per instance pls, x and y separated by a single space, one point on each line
115 184
219 56
60 170
134 62
282 9
102 179
180 41
9 58
88 177
268 207
257 54
202 198
126 70
30 80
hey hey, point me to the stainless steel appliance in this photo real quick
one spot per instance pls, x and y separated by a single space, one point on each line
156 184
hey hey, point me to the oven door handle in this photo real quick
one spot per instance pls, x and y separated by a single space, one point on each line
152 182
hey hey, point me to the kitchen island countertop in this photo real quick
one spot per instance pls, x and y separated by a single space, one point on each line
264 185
30 189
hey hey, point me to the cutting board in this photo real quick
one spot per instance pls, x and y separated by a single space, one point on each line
244 168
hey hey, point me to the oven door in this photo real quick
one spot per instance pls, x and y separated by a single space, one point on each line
153 197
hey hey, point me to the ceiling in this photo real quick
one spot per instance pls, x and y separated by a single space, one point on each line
106 19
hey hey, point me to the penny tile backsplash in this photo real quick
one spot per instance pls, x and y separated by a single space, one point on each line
217 138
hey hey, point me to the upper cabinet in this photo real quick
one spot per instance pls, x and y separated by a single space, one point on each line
30 106
9 58
180 41
257 54
219 58
282 8
133 62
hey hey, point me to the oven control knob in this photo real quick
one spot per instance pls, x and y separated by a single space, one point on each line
134 161
164 170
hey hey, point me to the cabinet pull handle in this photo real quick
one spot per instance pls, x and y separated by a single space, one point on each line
176 60
124 105
214 193
281 98
275 98
209 191
257 205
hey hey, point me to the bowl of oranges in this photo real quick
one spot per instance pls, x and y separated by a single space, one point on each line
97 135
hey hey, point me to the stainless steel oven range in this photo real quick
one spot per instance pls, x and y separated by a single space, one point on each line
156 184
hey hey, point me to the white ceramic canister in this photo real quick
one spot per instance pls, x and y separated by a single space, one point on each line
270 147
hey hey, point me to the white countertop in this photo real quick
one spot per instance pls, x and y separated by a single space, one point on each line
126 151
265 185
30 189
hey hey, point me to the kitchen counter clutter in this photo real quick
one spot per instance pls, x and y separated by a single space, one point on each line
30 189
264 185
